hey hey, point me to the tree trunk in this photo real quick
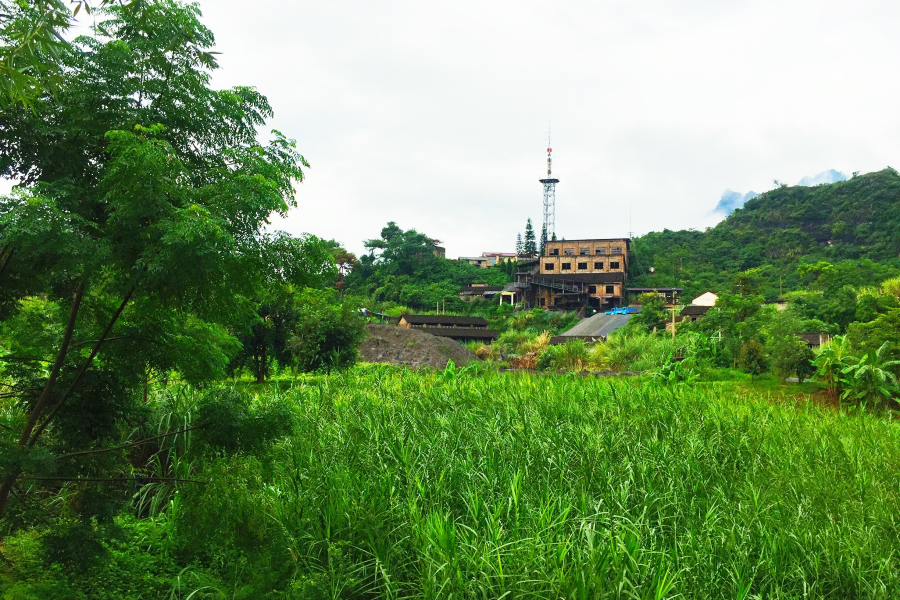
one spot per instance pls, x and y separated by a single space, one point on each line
261 364
10 478
29 439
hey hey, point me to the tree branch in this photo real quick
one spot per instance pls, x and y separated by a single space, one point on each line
44 398
147 479
81 372
85 343
130 445
57 367
6 261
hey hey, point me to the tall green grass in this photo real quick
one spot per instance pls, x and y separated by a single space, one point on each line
396 484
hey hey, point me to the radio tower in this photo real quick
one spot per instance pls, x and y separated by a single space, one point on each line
550 194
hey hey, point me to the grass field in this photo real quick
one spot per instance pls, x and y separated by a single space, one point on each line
397 484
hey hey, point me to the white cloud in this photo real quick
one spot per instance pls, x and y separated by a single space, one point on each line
434 114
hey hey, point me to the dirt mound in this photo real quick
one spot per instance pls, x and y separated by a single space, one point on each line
399 346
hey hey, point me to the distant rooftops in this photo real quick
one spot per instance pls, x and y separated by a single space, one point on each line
442 321
618 239
461 333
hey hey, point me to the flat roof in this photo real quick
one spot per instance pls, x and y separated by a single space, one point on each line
620 239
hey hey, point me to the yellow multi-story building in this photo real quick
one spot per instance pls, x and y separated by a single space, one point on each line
580 272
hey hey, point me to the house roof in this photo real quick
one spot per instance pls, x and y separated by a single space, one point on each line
452 320
694 310
621 239
478 290
656 289
461 332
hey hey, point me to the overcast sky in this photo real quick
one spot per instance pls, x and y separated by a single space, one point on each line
434 114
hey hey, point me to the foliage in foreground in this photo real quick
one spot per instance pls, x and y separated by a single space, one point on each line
397 484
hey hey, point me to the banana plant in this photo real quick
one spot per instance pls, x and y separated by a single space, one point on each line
869 377
830 360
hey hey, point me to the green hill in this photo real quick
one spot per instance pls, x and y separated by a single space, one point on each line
856 220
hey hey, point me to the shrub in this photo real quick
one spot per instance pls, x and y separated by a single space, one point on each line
752 358
573 355
327 334
633 350
868 379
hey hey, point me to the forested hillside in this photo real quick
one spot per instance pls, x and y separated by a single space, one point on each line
854 220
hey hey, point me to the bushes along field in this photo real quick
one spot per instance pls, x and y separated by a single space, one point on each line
394 484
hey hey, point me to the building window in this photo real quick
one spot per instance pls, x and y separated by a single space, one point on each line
584 251
582 266
610 289
592 289
567 266
569 251
598 266
601 251
543 302
617 250
613 265
554 251
548 266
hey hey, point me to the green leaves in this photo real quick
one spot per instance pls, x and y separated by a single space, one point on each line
149 193
868 378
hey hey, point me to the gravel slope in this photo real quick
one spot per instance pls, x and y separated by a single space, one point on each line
398 346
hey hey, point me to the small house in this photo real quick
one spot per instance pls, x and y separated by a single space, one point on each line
815 339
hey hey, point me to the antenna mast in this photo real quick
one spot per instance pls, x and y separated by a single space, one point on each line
630 230
550 193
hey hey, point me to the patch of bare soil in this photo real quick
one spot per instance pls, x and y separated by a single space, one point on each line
398 346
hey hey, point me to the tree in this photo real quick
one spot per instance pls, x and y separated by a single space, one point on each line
731 323
653 311
752 357
326 334
530 246
344 260
137 240
883 330
891 287
264 336
402 267
520 246
791 355
403 252
543 238
32 47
